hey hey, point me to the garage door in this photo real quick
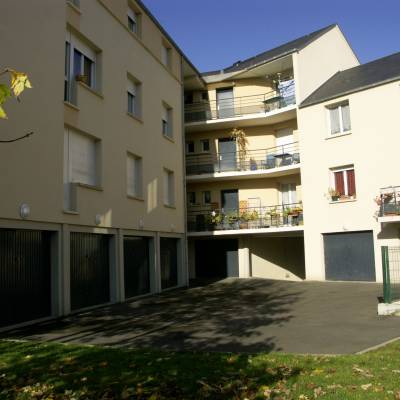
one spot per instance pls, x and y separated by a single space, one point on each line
25 276
349 256
217 258
90 270
136 266
169 262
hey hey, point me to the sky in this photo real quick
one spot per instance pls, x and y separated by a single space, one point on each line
214 34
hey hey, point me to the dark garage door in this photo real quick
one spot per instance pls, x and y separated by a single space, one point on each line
169 262
216 258
349 256
25 276
90 270
136 266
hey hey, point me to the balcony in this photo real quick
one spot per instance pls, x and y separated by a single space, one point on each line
273 161
389 204
254 106
286 217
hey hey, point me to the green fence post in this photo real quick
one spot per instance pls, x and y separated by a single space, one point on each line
386 275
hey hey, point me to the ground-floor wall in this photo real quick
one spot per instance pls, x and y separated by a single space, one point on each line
88 266
263 257
316 247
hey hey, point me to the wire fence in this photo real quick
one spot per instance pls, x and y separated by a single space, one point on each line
391 273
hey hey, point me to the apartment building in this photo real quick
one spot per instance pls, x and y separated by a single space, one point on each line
92 204
349 129
245 195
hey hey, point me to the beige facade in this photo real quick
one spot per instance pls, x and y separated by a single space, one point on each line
74 173
267 229
368 146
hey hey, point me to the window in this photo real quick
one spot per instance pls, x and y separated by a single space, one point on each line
81 158
344 181
288 193
206 197
80 65
169 188
80 163
339 117
166 52
191 198
189 98
205 145
190 147
134 176
204 96
134 97
167 121
133 21
67 74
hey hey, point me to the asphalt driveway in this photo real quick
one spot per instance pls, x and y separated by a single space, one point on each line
248 315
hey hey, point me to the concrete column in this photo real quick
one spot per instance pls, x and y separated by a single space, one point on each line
244 258
120 266
66 270
157 264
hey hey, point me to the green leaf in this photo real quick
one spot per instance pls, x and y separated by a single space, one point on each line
5 92
3 114
19 82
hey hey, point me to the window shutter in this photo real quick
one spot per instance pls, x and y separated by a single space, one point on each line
82 159
346 117
339 182
351 183
335 121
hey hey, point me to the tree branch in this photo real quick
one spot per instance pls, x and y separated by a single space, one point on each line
16 139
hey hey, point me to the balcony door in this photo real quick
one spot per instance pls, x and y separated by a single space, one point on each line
288 194
225 103
230 200
227 154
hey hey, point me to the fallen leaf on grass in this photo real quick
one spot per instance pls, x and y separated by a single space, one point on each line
366 386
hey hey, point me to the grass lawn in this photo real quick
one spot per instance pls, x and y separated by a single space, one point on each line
53 371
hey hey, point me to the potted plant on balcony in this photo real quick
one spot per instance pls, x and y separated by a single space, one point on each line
334 194
254 219
215 220
240 136
272 215
244 220
233 220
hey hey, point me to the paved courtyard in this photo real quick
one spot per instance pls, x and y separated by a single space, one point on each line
235 315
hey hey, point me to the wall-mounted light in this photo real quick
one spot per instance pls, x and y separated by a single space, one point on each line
141 224
24 210
172 227
97 219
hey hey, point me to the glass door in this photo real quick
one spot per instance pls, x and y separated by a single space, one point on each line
225 103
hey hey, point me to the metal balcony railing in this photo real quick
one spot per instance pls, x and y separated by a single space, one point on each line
389 201
204 220
239 106
251 160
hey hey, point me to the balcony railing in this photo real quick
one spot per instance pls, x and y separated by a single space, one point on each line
239 106
251 160
205 220
389 201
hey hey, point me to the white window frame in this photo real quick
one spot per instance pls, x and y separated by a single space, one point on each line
135 17
76 44
166 55
167 121
134 176
292 193
339 106
345 182
169 188
134 89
